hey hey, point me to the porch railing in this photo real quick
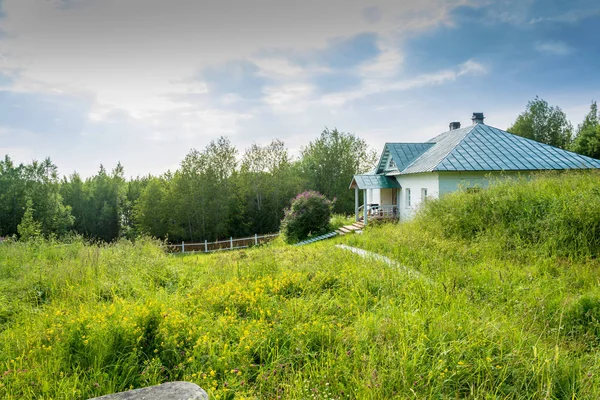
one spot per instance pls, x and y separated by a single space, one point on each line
379 211
385 211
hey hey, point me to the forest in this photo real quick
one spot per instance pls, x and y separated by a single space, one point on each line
213 194
218 192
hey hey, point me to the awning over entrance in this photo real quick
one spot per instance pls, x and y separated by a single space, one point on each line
363 182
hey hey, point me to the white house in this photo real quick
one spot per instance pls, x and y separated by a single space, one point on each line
408 173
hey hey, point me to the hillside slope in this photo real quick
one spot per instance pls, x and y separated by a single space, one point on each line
488 319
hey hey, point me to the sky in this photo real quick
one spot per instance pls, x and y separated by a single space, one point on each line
142 82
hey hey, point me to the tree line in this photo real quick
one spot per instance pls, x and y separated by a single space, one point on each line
213 194
216 194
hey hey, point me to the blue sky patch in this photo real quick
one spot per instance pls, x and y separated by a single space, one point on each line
236 77
5 80
336 81
350 52
557 54
57 116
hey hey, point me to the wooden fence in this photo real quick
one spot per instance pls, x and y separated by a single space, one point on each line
221 245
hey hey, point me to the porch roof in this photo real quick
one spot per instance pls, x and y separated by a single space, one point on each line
374 182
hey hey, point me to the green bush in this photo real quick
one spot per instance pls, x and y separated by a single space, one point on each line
308 215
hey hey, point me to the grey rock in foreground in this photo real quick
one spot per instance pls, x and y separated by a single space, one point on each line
166 391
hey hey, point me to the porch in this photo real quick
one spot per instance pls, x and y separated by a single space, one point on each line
377 211
386 204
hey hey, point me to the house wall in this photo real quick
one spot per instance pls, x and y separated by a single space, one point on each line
386 197
441 183
453 181
416 182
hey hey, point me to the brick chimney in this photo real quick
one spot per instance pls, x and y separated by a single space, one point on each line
477 118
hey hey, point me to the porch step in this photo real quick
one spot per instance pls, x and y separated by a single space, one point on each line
318 238
344 230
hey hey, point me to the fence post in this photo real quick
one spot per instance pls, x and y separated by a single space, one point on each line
231 242
182 246
205 246
256 239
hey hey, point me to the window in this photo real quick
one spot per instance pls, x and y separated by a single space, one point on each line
391 165
423 194
408 203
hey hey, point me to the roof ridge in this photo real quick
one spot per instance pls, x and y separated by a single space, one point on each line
444 135
467 129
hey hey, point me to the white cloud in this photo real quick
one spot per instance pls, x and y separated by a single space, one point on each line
570 17
470 67
289 97
278 68
131 54
132 60
558 48
386 65
294 93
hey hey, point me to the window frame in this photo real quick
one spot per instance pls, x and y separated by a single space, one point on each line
407 198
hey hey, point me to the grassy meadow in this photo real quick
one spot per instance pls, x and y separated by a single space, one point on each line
500 299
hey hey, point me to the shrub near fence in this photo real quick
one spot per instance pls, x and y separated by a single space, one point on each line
220 245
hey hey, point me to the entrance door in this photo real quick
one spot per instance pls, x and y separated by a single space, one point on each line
395 202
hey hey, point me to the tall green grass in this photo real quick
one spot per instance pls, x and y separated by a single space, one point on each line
556 213
482 320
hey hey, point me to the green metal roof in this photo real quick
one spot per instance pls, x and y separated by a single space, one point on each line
484 148
374 182
402 154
